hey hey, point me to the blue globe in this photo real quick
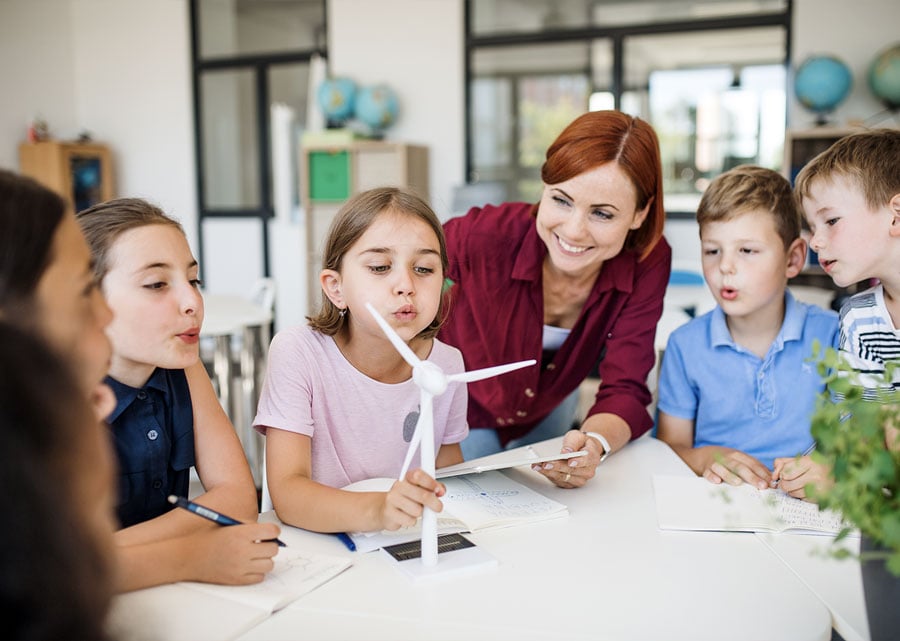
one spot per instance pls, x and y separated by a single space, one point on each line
377 106
337 99
884 77
822 83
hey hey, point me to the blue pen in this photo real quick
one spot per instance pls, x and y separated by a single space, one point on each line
346 540
212 515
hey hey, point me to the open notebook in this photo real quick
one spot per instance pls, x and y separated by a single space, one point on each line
473 502
693 503
189 610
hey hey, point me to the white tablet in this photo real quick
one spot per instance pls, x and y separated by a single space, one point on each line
501 462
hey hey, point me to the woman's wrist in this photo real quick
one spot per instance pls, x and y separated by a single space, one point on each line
607 450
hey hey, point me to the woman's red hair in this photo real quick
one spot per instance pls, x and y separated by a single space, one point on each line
600 137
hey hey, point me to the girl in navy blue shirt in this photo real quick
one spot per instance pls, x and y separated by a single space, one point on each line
167 417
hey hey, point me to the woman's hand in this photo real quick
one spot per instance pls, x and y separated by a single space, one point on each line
573 472
404 503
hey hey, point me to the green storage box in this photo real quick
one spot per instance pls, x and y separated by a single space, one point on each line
329 176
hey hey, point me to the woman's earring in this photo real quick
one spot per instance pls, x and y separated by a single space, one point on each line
342 312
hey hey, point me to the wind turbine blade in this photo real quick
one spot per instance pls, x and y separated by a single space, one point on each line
487 372
408 355
413 446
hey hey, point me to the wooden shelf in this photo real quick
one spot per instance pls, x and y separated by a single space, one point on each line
79 172
332 173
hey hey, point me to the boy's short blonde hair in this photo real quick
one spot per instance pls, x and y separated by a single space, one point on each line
871 159
747 188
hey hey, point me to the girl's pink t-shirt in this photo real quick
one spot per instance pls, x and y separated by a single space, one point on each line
360 428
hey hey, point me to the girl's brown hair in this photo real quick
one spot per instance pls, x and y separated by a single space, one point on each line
600 137
104 223
351 222
29 217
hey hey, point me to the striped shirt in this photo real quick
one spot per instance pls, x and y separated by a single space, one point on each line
869 339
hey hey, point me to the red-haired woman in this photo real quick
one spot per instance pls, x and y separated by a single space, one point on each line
574 280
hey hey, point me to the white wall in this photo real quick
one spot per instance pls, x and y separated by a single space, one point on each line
119 69
36 72
416 47
854 32
133 90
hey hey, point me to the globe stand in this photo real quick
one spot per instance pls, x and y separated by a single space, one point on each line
374 134
821 119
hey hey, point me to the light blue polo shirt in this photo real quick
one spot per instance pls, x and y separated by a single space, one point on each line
759 406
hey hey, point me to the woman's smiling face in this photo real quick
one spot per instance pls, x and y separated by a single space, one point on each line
585 221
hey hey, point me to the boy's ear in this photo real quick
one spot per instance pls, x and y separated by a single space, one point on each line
796 257
894 206
331 285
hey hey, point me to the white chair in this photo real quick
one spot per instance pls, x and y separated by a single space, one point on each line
236 332
263 293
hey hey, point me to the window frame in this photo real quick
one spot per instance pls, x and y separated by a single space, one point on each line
617 35
259 65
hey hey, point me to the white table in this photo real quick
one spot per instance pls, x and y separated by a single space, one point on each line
837 582
606 572
226 316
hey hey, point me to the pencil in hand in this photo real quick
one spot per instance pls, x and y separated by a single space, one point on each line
210 514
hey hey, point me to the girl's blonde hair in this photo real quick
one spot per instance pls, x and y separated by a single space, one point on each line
351 222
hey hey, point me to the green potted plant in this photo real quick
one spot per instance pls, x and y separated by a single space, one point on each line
849 431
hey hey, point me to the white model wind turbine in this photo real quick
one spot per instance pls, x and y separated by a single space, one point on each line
431 381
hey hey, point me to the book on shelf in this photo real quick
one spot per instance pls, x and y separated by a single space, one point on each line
190 610
693 503
473 502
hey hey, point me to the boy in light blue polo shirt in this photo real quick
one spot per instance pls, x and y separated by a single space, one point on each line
736 392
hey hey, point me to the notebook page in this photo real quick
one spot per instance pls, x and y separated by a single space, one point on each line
492 499
294 575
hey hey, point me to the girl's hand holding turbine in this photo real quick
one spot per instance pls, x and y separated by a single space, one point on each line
406 500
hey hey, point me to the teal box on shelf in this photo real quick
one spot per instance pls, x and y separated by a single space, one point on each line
329 176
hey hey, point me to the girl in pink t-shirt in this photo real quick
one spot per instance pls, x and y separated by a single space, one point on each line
339 404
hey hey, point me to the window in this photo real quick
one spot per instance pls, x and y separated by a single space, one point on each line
247 55
709 76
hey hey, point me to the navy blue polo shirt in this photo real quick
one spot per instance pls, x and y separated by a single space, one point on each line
153 432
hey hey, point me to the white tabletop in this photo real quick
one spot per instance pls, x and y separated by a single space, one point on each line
837 582
229 314
606 571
